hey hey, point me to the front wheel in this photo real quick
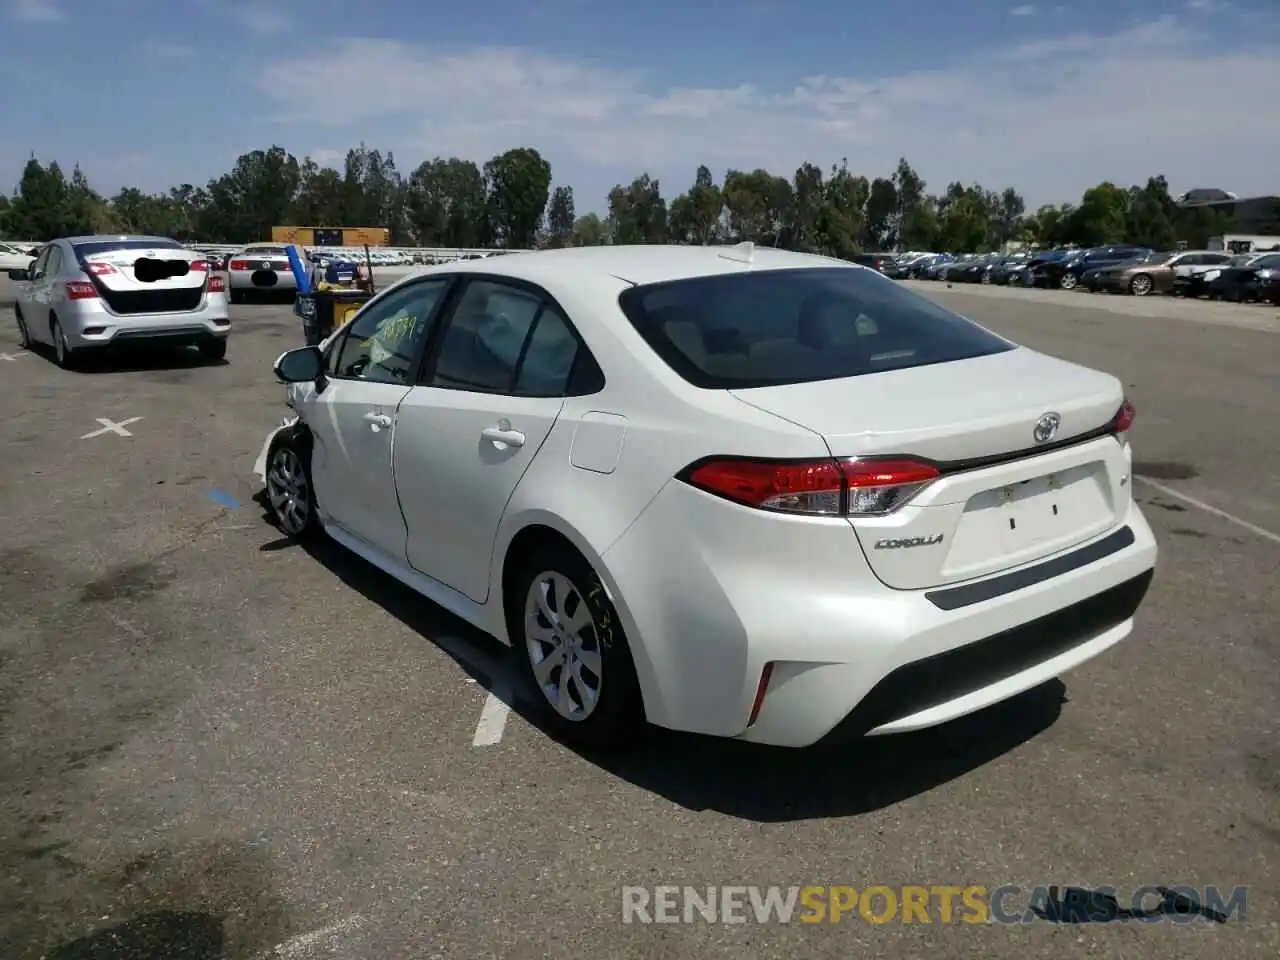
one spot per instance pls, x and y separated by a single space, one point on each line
573 650
1141 285
289 489
24 335
1068 281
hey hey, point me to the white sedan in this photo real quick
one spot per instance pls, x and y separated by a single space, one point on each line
745 493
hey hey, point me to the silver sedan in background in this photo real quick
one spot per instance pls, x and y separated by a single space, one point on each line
260 268
88 293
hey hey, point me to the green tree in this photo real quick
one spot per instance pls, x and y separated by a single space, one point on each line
637 213
446 204
254 196
519 182
40 209
879 228
560 218
590 231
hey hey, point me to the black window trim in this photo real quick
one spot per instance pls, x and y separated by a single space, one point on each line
581 358
336 345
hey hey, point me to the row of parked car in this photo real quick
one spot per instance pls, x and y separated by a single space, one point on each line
1118 268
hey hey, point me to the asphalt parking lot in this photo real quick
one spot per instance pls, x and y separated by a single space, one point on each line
214 744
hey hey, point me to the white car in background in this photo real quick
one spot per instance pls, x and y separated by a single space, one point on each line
83 294
745 493
14 258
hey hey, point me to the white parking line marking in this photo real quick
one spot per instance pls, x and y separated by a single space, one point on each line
493 719
302 944
109 426
12 356
1209 508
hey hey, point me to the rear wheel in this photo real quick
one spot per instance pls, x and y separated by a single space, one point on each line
214 350
573 650
1068 281
65 356
1141 285
236 296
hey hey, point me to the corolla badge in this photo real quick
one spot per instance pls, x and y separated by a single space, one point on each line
900 543
1046 427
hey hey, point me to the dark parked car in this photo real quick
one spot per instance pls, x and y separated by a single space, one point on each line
972 271
1258 280
1007 271
876 261
1065 273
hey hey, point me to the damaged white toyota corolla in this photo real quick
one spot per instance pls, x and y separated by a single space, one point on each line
747 493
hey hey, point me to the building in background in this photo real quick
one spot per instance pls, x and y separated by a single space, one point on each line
1249 216
332 236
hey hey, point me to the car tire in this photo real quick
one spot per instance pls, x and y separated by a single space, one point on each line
235 296
24 335
63 354
290 493
1141 285
1068 281
214 350
557 575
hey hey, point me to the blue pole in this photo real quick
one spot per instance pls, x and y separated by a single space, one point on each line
299 272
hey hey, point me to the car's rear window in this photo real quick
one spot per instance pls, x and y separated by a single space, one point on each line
264 251
793 326
89 248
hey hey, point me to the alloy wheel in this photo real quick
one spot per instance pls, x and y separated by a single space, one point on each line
563 646
1141 285
288 491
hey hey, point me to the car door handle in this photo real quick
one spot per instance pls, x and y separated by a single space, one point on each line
378 421
503 434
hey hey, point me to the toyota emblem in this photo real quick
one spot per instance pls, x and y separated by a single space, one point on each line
1046 428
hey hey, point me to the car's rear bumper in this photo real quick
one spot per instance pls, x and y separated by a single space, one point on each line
91 324
848 654
265 281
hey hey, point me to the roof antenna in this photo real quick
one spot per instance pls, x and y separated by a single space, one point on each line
742 253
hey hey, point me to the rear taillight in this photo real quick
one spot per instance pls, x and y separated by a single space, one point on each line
762 688
829 488
99 269
81 290
199 266
217 284
1123 421
238 265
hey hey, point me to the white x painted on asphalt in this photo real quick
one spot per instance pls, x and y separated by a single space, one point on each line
11 356
109 426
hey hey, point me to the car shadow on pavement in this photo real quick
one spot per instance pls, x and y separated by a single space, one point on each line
745 780
135 360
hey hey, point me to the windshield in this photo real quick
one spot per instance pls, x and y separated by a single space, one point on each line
773 327
92 247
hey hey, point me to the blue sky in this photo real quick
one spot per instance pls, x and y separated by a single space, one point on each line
1049 97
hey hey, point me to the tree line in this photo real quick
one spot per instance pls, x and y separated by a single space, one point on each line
510 202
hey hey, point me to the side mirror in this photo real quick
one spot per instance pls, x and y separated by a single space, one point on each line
20 275
303 365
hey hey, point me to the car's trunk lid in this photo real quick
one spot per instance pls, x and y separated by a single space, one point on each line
1005 496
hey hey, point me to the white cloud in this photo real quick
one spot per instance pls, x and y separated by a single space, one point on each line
1025 10
1050 117
36 11
1206 6
263 19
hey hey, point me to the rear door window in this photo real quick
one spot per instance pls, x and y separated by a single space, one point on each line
793 326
